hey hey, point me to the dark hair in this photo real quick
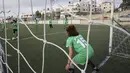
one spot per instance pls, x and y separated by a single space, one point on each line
71 30
15 20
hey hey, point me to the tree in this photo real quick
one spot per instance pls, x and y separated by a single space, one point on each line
38 14
125 5
42 16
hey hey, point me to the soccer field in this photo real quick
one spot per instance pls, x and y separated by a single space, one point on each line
55 59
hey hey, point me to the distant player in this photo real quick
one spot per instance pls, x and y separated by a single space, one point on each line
2 25
76 42
66 22
15 28
50 22
36 21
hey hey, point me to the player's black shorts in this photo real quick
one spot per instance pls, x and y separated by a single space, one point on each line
50 25
14 30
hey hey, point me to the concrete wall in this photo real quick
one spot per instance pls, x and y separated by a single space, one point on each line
82 22
56 22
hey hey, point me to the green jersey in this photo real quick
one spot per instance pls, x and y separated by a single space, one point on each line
66 21
36 21
50 21
14 25
79 44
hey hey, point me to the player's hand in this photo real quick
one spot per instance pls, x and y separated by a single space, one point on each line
67 67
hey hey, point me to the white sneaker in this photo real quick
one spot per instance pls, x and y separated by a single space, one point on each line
13 38
17 37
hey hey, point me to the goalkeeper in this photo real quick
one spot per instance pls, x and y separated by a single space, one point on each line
76 42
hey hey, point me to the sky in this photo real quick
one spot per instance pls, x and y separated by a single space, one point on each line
25 5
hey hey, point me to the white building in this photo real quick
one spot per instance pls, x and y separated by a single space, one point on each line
76 8
1 19
94 7
26 16
85 5
105 6
47 11
73 8
57 12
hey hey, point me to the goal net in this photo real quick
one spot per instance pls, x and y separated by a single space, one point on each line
121 42
82 12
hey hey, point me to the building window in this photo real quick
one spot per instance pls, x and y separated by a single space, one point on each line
84 9
69 2
74 8
78 5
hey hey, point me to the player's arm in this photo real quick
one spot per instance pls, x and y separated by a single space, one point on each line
70 54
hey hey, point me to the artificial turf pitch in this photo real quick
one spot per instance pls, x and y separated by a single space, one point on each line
55 59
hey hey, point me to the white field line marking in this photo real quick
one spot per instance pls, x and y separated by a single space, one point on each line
48 34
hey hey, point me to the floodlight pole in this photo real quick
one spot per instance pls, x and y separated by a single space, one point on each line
32 8
51 9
